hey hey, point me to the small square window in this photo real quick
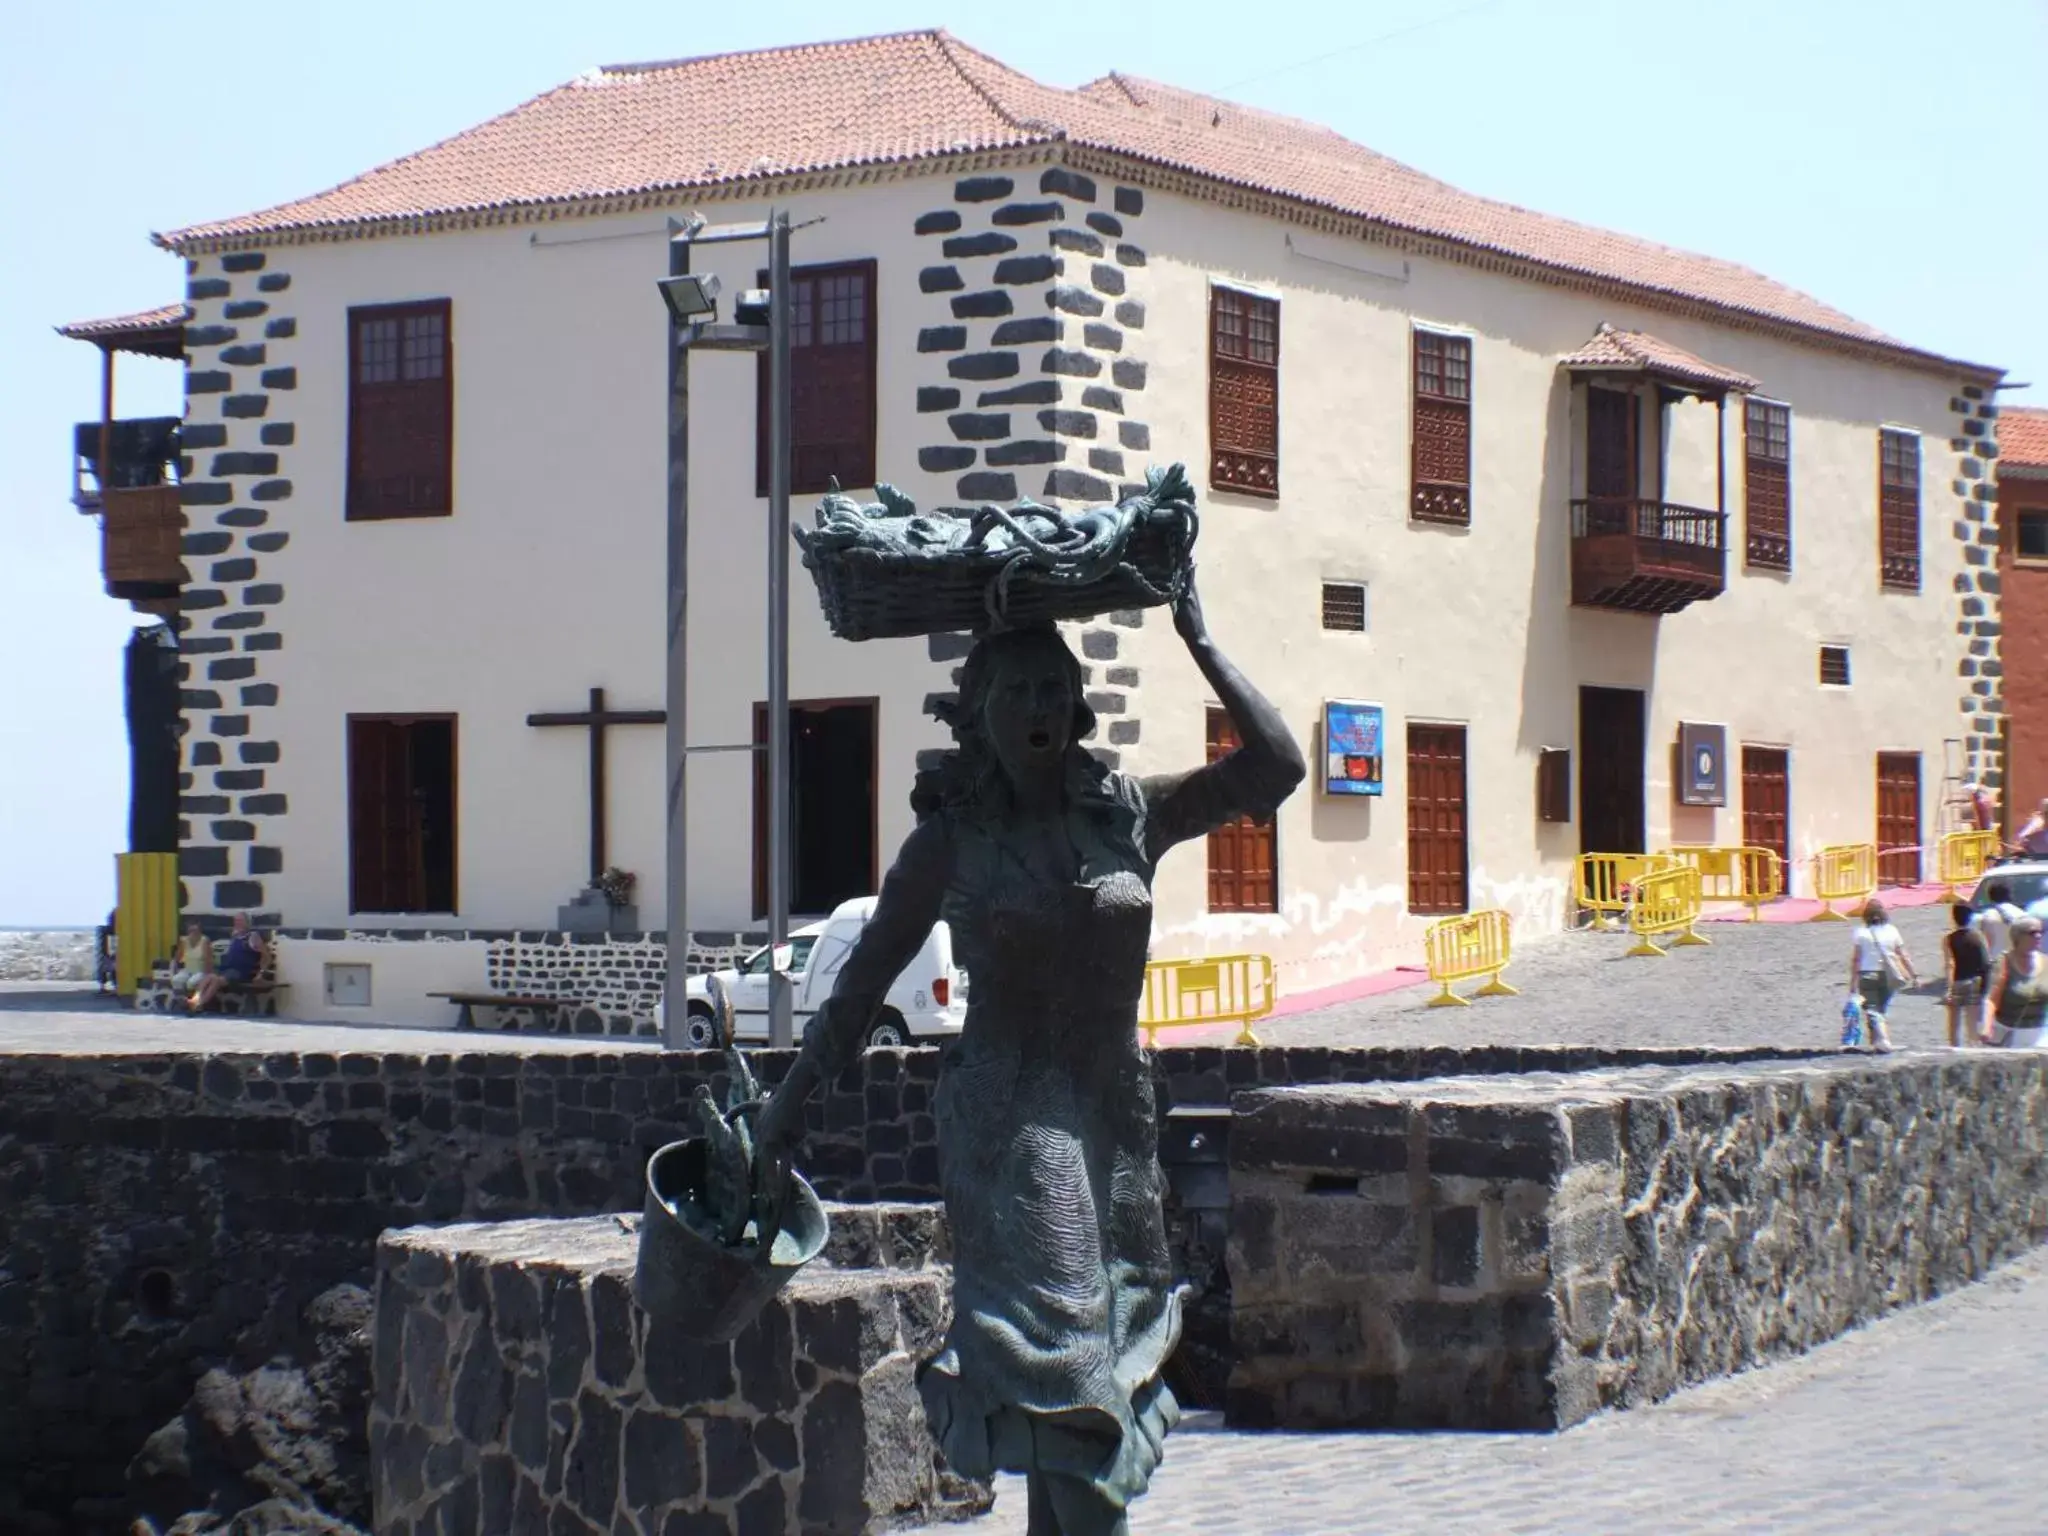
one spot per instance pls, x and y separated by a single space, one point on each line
1834 666
2030 536
1344 606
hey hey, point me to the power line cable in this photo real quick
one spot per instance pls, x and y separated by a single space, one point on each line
1370 42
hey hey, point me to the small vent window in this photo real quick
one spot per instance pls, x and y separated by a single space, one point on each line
2031 536
1834 666
1344 606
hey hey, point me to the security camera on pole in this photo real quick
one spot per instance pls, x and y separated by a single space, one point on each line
760 324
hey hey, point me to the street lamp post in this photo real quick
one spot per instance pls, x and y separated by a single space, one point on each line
692 302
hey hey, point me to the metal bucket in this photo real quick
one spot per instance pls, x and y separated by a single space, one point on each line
706 1289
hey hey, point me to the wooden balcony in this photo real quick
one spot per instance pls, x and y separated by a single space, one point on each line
141 530
1646 556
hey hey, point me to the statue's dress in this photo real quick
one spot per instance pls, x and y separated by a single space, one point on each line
1064 1302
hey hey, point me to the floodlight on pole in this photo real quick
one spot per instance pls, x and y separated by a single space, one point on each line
690 296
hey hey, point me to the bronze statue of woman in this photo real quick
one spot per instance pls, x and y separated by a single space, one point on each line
1041 860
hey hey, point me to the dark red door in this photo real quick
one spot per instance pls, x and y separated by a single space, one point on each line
1241 855
1436 819
1898 818
1610 443
1767 802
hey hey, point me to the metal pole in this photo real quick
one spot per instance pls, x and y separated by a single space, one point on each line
781 1026
676 878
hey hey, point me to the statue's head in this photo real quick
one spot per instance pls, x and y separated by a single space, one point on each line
1020 714
1021 690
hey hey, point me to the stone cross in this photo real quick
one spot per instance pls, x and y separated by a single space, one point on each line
597 717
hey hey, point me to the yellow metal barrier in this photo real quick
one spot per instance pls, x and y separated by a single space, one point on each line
1963 857
1749 875
1845 872
145 915
1605 878
1666 902
1225 989
1460 948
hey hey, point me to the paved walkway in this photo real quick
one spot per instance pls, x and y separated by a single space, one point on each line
1922 1423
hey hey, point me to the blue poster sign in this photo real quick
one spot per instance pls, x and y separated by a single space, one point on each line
1354 748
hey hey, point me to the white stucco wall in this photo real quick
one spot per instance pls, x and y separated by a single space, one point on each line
1475 626
401 976
548 579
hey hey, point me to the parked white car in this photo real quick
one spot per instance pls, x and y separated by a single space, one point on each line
927 1001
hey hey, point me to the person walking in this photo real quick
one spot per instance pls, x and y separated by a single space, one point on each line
1878 965
2033 838
1969 967
2018 1003
1996 920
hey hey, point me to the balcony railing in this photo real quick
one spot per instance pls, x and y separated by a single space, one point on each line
144 453
1646 556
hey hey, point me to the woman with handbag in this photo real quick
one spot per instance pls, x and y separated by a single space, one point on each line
1878 967
2016 1007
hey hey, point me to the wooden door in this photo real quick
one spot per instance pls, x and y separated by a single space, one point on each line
386 871
1437 854
1898 818
1767 802
1611 747
1610 443
1242 866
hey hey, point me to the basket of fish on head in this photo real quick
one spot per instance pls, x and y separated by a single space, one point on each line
711 1254
884 568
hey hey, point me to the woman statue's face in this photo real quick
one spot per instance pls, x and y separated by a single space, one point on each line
1030 711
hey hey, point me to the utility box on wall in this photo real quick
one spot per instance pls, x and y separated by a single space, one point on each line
1702 764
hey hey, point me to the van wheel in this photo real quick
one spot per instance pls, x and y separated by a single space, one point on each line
889 1029
700 1032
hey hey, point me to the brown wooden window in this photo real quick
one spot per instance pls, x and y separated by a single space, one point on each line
1344 606
1244 392
1241 862
1437 854
401 411
831 383
1767 484
1834 666
1898 508
1442 431
401 813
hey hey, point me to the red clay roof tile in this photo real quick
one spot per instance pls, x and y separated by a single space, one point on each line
917 95
1633 352
2023 436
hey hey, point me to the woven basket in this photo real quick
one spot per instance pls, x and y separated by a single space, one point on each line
870 593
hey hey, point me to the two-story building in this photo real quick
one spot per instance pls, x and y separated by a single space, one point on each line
1513 501
2023 606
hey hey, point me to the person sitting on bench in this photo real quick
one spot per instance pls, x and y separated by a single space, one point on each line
192 966
239 966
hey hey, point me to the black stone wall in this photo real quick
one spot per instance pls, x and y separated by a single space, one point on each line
160 1213
240 381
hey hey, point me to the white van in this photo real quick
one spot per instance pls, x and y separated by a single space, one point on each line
927 1001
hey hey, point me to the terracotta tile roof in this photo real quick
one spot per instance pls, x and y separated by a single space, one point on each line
641 129
1612 351
126 325
2023 438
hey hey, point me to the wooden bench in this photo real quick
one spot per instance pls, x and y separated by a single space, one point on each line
542 1008
257 997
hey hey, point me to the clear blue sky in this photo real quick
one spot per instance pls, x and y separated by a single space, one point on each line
1885 155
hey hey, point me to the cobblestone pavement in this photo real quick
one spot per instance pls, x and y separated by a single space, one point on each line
1758 984
1920 1424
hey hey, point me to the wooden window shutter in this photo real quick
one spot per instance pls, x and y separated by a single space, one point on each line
832 381
401 411
1767 484
1554 784
1898 509
1441 436
1244 392
383 839
1242 868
